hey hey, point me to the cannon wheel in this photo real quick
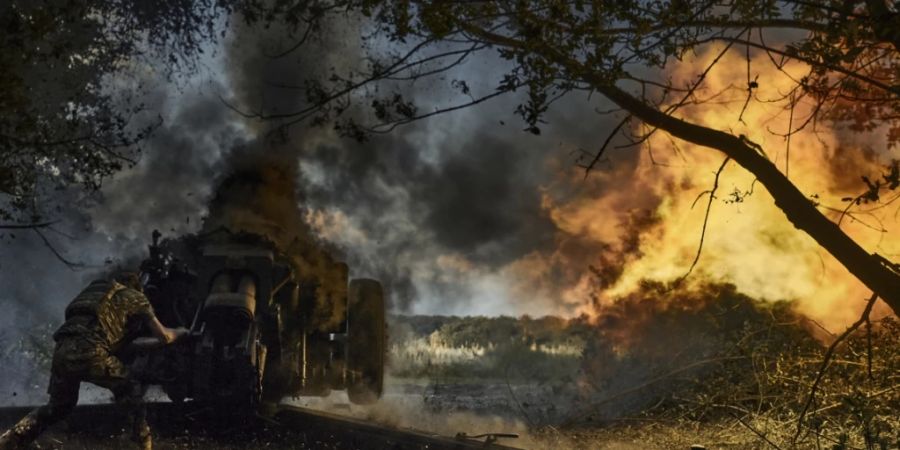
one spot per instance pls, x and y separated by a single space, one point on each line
366 349
176 392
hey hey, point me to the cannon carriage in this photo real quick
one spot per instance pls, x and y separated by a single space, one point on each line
261 326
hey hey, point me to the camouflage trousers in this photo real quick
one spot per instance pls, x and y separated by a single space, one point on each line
75 360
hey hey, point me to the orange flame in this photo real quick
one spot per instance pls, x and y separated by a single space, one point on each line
749 242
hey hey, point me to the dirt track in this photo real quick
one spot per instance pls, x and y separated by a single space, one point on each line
187 426
446 409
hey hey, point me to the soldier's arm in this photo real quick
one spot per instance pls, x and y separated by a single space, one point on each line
138 308
162 335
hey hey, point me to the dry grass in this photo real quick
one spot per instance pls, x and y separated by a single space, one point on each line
739 373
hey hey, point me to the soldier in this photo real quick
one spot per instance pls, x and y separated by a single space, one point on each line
104 319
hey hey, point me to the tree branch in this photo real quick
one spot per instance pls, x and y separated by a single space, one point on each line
70 264
826 360
599 154
712 196
27 226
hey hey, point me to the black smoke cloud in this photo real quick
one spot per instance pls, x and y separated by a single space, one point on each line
171 186
437 209
480 201
472 199
481 204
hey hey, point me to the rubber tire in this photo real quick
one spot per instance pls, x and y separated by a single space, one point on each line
366 341
177 392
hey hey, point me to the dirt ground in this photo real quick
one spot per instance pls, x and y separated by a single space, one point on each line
444 408
530 410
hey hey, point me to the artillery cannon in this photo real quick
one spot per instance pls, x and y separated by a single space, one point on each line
262 327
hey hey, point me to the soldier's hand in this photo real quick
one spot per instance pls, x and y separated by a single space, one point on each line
180 333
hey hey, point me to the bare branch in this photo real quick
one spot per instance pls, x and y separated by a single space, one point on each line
70 264
387 127
895 90
27 226
827 360
712 196
599 154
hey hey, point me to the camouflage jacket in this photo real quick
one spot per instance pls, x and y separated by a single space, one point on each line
106 314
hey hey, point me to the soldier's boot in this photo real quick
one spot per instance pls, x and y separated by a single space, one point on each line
130 395
141 434
144 441
25 431
140 430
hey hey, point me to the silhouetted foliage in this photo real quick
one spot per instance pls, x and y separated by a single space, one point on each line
70 84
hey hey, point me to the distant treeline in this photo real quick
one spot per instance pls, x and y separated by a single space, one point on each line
543 348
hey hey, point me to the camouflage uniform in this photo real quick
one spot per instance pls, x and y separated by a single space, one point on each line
99 322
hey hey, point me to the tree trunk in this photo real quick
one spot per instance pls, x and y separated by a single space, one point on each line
798 208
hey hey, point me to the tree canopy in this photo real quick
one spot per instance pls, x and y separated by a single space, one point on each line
63 121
